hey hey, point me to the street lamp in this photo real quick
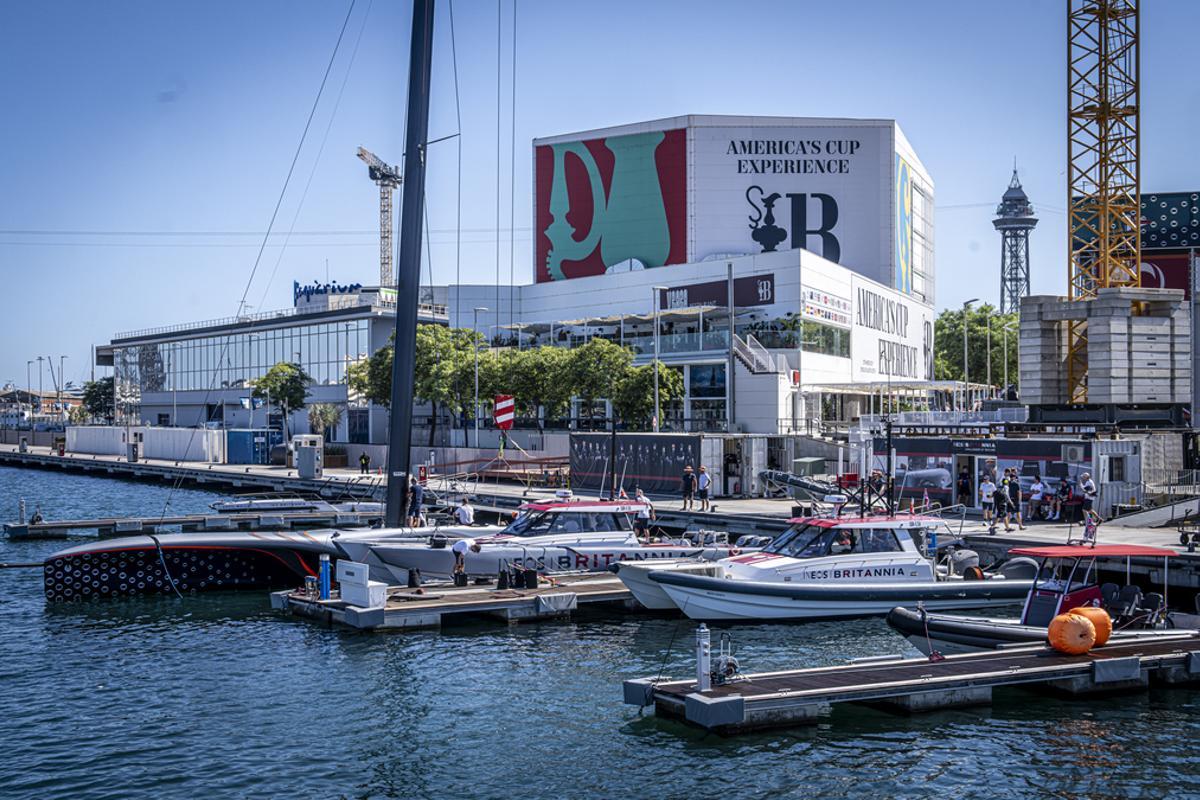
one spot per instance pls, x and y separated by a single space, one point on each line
655 292
40 359
966 372
62 385
475 347
29 391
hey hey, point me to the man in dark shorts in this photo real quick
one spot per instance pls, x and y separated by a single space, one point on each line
688 487
416 496
703 482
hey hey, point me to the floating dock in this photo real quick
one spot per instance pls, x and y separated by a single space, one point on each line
805 696
191 523
406 608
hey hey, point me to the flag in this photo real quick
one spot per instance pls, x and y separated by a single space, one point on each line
925 498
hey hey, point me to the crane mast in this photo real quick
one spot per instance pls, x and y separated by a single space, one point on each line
388 178
1103 192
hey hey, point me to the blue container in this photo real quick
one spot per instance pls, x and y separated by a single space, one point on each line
250 445
324 576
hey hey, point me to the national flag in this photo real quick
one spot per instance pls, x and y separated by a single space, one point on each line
925 498
505 410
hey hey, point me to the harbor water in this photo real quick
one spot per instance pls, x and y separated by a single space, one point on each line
217 696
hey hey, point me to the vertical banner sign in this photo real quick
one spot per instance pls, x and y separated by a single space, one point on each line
505 409
904 226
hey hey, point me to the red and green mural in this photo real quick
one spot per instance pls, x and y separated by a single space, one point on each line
601 202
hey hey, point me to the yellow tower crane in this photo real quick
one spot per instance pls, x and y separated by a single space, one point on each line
1103 193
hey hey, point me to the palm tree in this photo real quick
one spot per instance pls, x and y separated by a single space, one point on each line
324 416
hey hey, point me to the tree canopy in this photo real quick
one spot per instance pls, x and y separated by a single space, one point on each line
948 345
98 398
285 386
542 379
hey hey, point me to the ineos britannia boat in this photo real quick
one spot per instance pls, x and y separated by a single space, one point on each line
835 568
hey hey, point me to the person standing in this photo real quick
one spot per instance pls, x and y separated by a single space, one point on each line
964 486
364 463
1087 487
1014 497
1037 496
987 496
416 496
688 487
703 484
1000 501
645 513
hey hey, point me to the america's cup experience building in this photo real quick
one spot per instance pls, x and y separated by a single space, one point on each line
818 233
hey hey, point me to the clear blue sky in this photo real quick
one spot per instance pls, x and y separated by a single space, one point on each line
133 119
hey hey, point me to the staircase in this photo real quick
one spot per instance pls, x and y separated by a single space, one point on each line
753 355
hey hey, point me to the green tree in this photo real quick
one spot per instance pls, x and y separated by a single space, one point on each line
596 369
441 355
323 417
633 397
372 377
948 344
98 399
285 386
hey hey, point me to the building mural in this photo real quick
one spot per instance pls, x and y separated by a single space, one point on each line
602 202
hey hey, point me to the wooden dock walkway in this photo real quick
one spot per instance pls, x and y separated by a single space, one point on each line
805 696
406 608
190 523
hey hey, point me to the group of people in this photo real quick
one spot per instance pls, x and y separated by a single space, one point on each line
1004 502
695 486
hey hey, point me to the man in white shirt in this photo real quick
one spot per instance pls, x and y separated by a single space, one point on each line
1088 488
641 520
987 492
703 482
1037 496
460 549
464 513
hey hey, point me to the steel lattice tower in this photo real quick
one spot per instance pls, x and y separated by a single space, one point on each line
1103 197
1014 219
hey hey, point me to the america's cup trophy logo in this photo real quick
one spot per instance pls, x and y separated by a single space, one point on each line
767 234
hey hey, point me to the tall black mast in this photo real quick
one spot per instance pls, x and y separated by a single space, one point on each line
409 268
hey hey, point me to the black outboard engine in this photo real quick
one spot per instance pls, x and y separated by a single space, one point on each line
1019 569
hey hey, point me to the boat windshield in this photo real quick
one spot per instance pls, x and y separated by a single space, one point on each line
541 523
811 541
802 541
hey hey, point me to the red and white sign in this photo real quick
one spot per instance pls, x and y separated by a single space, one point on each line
505 410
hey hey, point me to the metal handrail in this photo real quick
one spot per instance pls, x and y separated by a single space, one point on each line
431 309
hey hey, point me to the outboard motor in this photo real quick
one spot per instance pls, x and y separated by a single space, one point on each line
1019 569
963 560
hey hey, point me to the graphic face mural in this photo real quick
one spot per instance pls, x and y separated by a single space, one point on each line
904 226
604 201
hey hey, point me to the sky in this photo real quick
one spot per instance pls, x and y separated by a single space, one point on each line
144 145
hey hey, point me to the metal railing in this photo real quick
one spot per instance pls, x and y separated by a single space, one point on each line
427 309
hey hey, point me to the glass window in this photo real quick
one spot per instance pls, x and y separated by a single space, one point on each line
706 380
877 540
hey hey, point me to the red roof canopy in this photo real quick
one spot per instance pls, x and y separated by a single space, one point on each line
584 505
833 522
1100 550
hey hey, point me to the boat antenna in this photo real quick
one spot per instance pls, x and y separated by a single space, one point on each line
408 270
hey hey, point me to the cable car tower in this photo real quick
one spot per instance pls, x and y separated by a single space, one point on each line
388 178
1014 219
1103 195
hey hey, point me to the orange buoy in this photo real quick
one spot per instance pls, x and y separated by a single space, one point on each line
1100 619
1073 634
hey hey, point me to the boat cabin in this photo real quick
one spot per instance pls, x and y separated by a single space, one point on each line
573 516
818 537
1068 577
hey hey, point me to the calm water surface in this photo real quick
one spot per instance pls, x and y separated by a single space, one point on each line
219 697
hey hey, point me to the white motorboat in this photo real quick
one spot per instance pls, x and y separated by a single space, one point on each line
564 535
835 568
636 577
1068 576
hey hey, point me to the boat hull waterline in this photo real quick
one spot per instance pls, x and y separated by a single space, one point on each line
714 598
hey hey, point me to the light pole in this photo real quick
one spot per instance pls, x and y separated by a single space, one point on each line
475 347
989 352
655 292
62 385
29 391
966 372
40 359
